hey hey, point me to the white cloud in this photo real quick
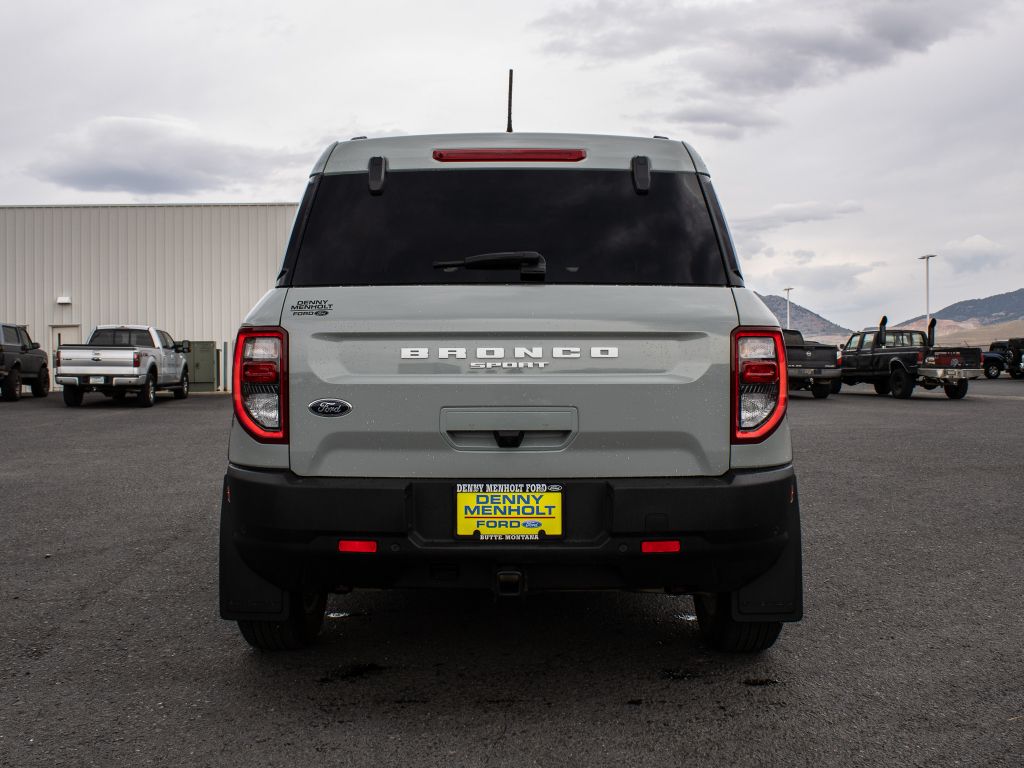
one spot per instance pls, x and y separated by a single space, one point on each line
158 156
749 231
974 254
731 62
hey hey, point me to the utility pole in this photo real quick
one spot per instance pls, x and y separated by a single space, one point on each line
927 304
787 290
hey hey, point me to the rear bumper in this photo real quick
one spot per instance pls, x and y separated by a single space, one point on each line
108 381
950 374
814 373
738 533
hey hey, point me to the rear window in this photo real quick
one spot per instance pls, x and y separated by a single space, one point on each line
121 337
590 226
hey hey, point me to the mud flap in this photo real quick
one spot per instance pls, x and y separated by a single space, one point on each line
777 594
244 594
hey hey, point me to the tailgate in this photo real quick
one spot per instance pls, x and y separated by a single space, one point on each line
510 381
86 360
955 357
812 357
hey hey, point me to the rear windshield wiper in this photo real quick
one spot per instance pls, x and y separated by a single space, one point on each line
532 266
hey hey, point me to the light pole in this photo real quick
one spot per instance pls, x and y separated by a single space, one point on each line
927 307
787 290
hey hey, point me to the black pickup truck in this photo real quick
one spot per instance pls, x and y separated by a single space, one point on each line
897 361
21 361
1014 357
811 365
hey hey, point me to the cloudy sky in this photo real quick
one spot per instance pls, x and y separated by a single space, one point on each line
845 139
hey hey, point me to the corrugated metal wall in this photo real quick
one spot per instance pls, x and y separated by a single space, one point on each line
192 270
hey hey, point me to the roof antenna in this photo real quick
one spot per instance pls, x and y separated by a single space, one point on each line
508 128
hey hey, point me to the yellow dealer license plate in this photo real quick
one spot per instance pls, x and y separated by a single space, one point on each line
508 511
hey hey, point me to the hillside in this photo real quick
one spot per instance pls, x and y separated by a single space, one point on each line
973 313
810 324
981 336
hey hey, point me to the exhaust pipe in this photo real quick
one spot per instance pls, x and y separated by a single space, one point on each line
931 333
880 336
509 582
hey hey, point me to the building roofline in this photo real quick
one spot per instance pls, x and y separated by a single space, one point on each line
148 205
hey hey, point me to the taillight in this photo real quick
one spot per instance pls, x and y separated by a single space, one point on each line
135 359
260 383
759 383
56 360
518 155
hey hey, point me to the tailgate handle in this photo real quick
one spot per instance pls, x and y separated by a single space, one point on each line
509 438
529 429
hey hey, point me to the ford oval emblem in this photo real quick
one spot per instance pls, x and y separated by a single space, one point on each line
329 407
531 524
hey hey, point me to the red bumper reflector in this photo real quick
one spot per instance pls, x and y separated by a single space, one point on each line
259 373
655 547
510 155
758 373
349 545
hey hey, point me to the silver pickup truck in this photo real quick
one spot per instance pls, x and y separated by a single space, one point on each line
510 362
119 359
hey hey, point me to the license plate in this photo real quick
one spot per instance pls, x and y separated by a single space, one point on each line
508 511
95 379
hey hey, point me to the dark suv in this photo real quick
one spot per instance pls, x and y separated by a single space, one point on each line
21 361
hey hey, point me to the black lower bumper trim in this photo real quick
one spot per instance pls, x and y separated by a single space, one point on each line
738 533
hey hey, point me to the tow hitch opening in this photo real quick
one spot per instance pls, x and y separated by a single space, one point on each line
509 582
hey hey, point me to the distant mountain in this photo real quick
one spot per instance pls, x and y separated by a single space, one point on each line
1001 308
810 324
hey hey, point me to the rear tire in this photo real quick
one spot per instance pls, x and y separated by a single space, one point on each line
147 395
821 391
297 631
10 387
1014 374
992 371
902 384
882 387
956 391
835 386
41 386
720 631
182 391
73 396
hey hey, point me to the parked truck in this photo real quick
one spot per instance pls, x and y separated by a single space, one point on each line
21 362
897 361
1014 357
811 365
122 359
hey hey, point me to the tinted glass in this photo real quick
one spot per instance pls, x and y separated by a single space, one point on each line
867 341
590 226
10 335
853 342
120 337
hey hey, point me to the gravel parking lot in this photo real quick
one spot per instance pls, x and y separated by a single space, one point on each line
111 651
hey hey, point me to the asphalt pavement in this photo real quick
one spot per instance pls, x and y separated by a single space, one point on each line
112 653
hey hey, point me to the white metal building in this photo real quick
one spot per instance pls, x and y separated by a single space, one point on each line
191 270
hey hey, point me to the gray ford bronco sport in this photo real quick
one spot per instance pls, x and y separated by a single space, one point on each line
515 362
